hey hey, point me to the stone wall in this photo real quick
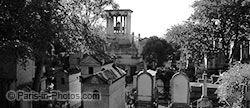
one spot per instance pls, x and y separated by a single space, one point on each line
59 85
117 94
25 73
85 69
104 100
75 86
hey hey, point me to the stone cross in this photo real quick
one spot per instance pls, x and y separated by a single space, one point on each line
204 87
204 77
204 102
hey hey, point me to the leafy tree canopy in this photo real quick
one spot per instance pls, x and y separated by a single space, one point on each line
188 37
232 84
225 21
158 51
41 29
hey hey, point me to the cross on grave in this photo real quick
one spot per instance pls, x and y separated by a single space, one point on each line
204 87
204 102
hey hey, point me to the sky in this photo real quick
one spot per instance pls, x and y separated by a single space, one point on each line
154 17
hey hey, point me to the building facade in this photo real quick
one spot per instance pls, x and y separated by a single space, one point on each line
121 43
109 83
68 81
88 64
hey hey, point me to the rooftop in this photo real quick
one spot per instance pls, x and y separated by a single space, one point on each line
119 12
109 72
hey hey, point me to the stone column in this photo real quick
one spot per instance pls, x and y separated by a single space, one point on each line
124 23
112 25
116 31
128 25
121 25
109 25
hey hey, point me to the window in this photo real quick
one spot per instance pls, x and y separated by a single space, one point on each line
91 70
62 81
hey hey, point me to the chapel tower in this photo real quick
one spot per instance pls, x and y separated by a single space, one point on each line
121 43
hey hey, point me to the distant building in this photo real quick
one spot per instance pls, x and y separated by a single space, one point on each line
109 84
68 81
121 43
80 65
88 64
242 52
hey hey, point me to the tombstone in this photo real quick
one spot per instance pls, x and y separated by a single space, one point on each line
145 89
180 91
160 86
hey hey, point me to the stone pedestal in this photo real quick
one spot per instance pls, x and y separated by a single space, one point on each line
204 102
179 105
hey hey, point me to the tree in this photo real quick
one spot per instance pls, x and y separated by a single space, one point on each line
42 29
225 21
233 83
157 51
178 35
28 31
192 39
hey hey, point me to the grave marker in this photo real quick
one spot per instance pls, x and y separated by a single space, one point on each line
180 91
145 89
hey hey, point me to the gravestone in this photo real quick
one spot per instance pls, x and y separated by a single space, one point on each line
180 91
160 86
145 88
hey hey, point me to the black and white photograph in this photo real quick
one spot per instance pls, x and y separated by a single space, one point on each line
125 53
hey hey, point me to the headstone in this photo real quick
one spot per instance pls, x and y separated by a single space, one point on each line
146 90
144 87
180 91
160 86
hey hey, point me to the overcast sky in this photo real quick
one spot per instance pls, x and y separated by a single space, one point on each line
153 17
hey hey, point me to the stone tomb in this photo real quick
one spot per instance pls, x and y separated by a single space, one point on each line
180 91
